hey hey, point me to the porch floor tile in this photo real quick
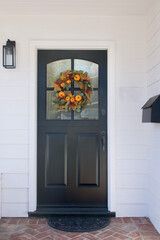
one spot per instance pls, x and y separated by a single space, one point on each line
37 228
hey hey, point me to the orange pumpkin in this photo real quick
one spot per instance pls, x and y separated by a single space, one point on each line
68 81
61 94
77 77
72 99
78 98
67 98
62 84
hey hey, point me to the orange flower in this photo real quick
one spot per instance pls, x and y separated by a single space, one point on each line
62 84
78 98
72 99
77 77
68 81
67 98
61 94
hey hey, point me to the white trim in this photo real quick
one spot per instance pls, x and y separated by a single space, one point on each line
95 45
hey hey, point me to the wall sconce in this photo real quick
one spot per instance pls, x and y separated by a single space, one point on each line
9 54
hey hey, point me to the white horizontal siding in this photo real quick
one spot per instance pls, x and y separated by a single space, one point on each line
14 165
13 181
132 166
153 75
153 59
13 151
19 137
130 123
14 209
13 108
130 94
131 196
131 80
136 51
126 108
130 137
13 122
12 93
128 210
14 195
87 7
132 65
135 181
134 151
153 130
154 88
14 78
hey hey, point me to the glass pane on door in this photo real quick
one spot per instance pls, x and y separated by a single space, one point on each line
51 111
90 67
55 68
91 111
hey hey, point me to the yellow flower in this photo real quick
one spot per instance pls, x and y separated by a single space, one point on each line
67 98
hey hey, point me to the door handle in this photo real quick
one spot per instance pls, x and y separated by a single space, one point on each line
103 139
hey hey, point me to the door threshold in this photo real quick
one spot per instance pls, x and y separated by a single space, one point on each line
47 212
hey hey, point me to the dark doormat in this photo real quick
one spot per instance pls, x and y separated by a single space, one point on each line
78 223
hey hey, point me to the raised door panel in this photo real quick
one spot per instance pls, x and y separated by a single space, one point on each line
88 160
56 160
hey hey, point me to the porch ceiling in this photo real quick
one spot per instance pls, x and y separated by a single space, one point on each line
75 7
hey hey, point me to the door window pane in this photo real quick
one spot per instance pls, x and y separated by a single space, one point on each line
91 111
51 111
55 68
89 67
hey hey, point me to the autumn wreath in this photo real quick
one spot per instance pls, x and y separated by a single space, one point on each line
63 99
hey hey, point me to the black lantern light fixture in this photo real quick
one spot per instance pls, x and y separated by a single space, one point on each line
9 54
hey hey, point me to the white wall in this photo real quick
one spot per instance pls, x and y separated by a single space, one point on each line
153 130
129 33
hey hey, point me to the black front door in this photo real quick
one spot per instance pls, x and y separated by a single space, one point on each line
72 146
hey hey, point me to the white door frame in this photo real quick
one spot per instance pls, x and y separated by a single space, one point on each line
71 45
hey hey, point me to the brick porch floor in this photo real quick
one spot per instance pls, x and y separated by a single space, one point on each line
34 228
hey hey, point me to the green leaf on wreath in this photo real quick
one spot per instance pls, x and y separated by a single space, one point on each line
57 95
55 101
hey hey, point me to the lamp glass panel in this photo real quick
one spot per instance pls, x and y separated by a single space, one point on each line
9 56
